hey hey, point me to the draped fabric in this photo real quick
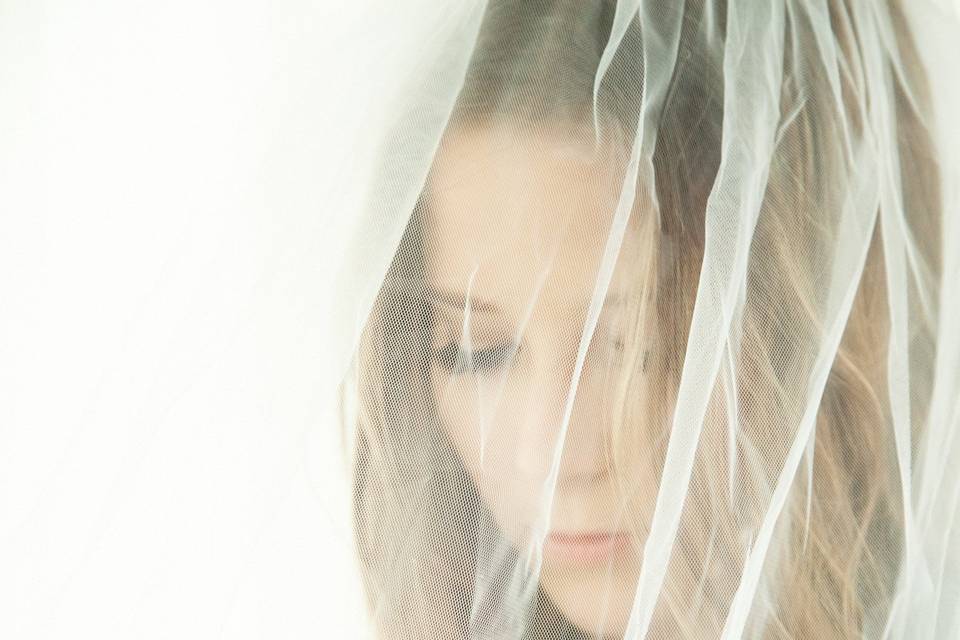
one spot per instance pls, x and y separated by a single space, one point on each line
652 329
480 319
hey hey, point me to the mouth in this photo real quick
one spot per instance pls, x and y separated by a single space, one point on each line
585 547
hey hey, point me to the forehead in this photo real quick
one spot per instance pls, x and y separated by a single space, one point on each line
517 214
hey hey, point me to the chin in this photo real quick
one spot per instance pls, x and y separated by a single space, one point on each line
596 598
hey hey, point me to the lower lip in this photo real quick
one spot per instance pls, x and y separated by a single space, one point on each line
585 547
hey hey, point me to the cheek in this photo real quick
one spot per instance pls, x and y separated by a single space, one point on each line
475 421
486 440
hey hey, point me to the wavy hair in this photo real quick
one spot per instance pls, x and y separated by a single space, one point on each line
842 522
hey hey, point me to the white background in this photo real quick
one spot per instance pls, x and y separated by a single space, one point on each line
175 178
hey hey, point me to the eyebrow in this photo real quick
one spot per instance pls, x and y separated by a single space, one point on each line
459 301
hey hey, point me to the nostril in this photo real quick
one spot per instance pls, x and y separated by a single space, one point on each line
582 479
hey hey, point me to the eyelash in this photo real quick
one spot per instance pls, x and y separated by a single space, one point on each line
488 360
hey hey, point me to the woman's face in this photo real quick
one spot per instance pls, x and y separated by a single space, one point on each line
516 230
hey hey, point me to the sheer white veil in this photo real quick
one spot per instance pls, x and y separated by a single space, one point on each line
490 320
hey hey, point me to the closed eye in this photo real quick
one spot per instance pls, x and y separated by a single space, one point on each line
457 361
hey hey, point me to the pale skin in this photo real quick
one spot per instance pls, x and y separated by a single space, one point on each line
517 226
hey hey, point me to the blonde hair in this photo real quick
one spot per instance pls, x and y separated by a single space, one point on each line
841 564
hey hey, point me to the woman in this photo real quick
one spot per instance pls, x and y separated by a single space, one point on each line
660 334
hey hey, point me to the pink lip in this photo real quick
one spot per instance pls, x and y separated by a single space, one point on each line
585 547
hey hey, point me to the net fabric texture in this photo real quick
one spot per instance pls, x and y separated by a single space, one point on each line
651 327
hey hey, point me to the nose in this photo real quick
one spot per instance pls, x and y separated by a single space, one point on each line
582 445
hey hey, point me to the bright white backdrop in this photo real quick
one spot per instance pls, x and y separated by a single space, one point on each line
171 194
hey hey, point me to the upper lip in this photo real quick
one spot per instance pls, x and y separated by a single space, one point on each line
583 537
